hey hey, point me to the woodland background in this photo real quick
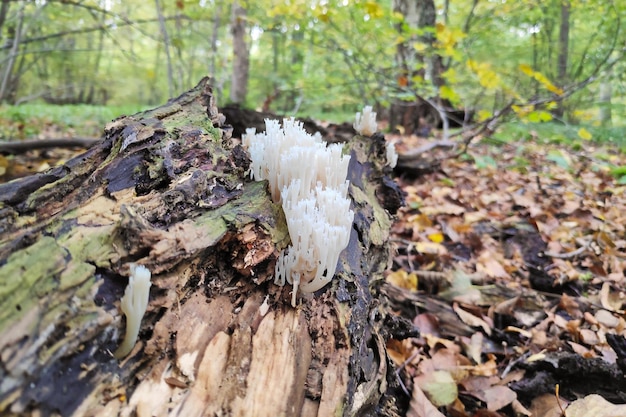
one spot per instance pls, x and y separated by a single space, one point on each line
534 61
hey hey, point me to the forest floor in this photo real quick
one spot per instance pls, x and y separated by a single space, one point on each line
511 261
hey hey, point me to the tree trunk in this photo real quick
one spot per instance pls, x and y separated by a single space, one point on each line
7 79
241 61
421 115
561 65
4 10
167 189
166 46
604 99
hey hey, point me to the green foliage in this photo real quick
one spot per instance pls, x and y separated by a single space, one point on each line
29 120
485 162
332 56
559 133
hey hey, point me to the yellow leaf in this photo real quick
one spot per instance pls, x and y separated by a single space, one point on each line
584 134
487 77
526 69
373 9
484 115
436 237
420 46
431 248
542 79
537 357
522 111
402 279
397 16
447 38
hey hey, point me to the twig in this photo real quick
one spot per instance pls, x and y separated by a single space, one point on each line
568 255
558 401
401 367
23 146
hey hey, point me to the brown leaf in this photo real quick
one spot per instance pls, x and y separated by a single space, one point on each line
570 305
520 410
596 406
610 300
427 323
498 397
546 406
470 319
489 266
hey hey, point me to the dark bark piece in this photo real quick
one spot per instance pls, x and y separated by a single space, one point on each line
241 119
576 376
168 190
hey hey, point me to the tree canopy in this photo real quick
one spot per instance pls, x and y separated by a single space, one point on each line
540 59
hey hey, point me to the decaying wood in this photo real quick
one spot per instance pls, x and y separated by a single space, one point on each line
167 189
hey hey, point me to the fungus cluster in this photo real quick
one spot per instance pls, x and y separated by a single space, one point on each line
365 124
309 179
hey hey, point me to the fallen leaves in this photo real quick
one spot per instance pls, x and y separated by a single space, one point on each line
531 241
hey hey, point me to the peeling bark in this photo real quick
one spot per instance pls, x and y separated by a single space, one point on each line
168 189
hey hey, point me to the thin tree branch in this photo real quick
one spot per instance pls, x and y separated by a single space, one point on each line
92 29
22 146
13 55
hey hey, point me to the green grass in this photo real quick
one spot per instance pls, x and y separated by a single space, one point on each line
33 120
558 133
338 116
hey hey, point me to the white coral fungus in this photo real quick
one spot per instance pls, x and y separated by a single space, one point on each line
310 180
392 155
365 124
134 304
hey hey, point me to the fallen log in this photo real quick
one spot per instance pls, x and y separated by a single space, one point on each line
167 189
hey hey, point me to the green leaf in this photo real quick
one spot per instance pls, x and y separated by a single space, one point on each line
558 158
440 388
618 171
446 92
539 116
486 161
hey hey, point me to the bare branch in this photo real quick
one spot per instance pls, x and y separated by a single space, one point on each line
90 29
22 146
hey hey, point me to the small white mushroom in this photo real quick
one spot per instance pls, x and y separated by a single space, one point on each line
392 155
365 123
134 304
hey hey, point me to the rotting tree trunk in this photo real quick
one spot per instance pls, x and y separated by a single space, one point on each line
167 189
